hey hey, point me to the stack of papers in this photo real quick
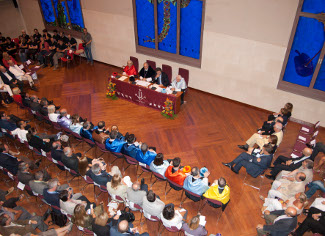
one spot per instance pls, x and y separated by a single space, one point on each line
36 67
142 83
21 66
122 78
202 220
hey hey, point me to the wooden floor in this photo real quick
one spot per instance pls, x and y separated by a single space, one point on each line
205 133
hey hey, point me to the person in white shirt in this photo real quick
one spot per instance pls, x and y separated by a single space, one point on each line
20 131
179 84
5 88
20 74
173 216
51 113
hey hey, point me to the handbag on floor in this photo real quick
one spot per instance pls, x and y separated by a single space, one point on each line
58 219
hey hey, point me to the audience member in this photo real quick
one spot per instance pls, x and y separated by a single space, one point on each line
70 159
219 191
173 217
71 43
152 205
33 47
195 183
255 164
6 58
10 79
320 147
86 131
76 125
114 144
131 147
61 48
174 172
117 187
63 119
159 165
145 155
11 47
20 74
99 176
44 51
288 164
69 201
314 186
194 228
124 228
279 222
136 193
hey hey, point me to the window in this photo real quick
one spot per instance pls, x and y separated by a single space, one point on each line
303 70
170 29
63 15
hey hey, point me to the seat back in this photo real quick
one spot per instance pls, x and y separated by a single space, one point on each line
174 185
193 195
135 62
150 217
152 64
317 124
80 46
168 70
88 180
216 202
185 74
16 41
130 160
158 176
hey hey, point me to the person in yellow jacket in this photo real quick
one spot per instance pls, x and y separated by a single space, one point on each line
219 191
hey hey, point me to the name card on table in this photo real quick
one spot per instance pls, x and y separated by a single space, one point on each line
302 138
34 76
305 129
28 62
21 66
122 78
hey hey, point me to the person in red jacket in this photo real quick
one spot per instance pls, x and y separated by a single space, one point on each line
175 173
130 70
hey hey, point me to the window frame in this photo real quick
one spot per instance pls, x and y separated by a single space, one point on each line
166 55
310 91
72 32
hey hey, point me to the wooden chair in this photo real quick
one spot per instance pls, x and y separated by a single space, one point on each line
168 70
185 74
135 62
152 64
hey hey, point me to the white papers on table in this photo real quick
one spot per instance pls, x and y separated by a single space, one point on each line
149 79
21 66
142 83
202 220
36 67
122 78
159 89
28 62
178 90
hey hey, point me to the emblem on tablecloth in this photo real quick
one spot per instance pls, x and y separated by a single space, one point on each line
140 96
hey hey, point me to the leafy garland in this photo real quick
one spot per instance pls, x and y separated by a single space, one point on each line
111 93
168 110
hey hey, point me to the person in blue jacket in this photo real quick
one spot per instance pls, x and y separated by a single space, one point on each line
113 144
86 131
131 147
145 155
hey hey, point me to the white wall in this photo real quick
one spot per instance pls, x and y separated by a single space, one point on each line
244 44
11 21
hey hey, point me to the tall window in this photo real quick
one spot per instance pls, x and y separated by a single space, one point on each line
303 70
170 29
63 15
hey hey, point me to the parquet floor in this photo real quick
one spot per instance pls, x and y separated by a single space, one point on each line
205 133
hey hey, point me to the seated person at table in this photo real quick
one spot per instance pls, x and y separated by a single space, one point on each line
195 184
130 70
161 78
145 155
63 119
260 140
219 191
131 147
147 72
179 84
159 165
113 144
255 164
99 176
174 172
86 132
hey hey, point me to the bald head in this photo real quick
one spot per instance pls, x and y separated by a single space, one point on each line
145 66
277 127
123 226
63 112
178 78
291 212
136 186
307 151
11 63
2 69
67 151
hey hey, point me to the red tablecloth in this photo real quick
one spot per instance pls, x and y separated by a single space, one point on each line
144 96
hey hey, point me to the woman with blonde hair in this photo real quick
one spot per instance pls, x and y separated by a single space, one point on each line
117 187
6 58
194 228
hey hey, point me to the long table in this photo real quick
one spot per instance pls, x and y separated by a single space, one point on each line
145 96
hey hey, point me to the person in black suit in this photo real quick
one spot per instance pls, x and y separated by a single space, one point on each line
24 174
147 72
35 105
161 78
10 79
288 164
7 160
99 176
70 159
315 222
57 153
278 223
255 164
8 123
320 147
37 142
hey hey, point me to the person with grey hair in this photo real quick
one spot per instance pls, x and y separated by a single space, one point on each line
195 183
98 175
63 119
20 74
24 175
178 85
70 159
51 113
35 105
137 192
260 140
306 167
39 184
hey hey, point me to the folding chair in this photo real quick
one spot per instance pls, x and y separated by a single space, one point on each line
88 181
168 70
215 204
135 62
158 177
144 168
130 161
192 196
174 186
152 64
